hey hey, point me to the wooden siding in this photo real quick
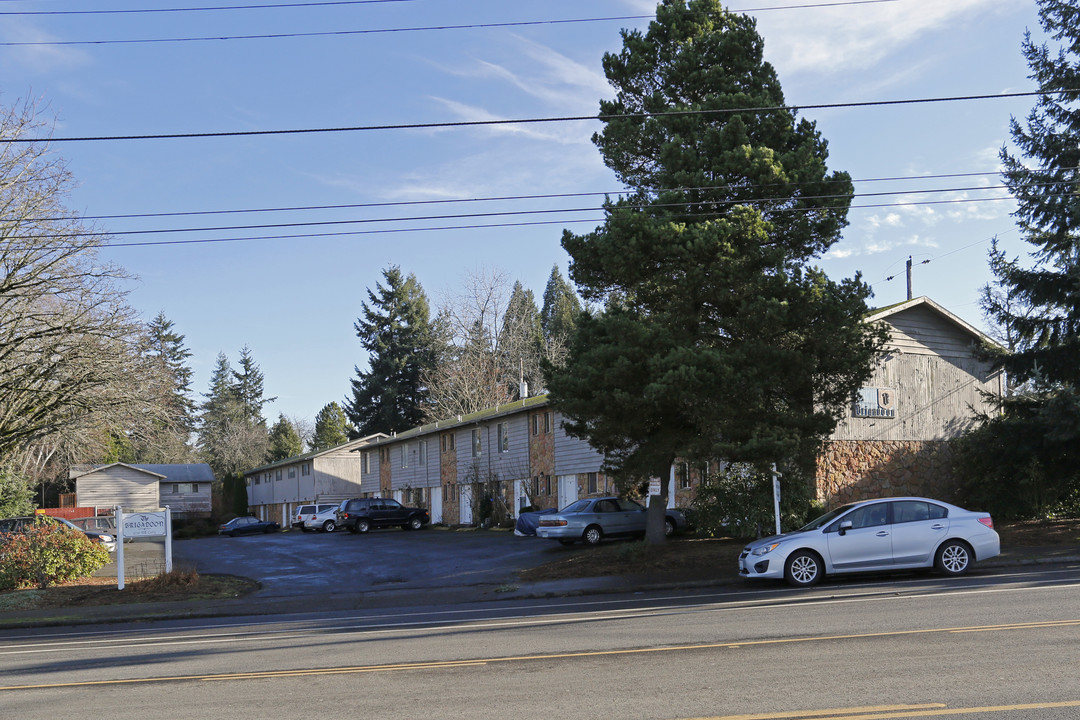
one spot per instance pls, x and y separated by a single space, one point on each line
936 398
413 473
921 331
186 503
573 456
132 489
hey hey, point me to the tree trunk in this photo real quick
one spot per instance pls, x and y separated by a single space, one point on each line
654 523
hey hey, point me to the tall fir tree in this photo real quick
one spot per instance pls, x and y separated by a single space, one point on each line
559 315
169 438
1036 437
285 441
718 339
332 427
248 382
396 332
230 438
521 343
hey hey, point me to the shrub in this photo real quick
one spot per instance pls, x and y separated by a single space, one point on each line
738 501
48 553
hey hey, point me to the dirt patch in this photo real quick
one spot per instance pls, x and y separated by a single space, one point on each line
1040 533
103 591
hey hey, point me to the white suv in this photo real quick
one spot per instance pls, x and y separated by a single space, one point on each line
305 516
323 518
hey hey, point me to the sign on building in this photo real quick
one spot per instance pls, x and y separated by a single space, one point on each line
874 402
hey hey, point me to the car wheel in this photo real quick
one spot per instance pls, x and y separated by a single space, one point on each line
953 558
362 525
803 569
329 526
669 527
415 523
592 535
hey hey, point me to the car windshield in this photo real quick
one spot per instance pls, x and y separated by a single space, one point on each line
577 506
826 518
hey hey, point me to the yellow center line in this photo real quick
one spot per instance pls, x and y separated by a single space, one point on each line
444 664
900 711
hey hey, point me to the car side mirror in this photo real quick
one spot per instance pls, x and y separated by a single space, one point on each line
845 526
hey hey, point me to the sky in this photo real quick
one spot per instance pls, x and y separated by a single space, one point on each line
344 206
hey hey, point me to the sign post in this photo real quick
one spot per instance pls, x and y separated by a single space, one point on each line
776 496
143 524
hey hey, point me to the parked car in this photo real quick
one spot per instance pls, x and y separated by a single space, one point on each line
527 521
875 535
247 526
325 519
592 519
362 514
16 524
305 512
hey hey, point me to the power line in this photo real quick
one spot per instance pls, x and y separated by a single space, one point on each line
747 201
505 198
556 221
146 11
528 121
274 6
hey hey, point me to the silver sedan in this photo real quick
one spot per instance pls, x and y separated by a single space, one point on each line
592 519
872 536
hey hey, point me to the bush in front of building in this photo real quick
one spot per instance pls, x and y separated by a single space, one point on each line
738 502
47 553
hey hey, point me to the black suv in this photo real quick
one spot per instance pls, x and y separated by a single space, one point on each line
362 514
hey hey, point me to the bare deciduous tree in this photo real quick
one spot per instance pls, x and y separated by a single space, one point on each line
69 343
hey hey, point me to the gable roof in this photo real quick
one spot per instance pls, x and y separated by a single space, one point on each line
926 303
350 446
80 470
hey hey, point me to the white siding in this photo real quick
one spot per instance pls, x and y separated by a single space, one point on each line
572 455
132 489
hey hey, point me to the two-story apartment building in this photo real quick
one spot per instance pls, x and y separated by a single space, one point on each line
925 389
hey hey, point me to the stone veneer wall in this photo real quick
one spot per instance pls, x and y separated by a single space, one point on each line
851 470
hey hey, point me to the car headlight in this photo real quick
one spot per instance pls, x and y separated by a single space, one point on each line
765 549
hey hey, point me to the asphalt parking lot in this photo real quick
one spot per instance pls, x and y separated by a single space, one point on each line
296 563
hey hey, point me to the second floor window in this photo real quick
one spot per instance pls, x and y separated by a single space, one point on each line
504 437
477 443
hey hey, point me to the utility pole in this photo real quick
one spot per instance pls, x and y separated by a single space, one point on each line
908 277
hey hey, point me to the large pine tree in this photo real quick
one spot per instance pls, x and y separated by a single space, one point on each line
396 332
1036 439
717 339
332 428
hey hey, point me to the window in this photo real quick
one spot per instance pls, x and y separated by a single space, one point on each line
547 422
305 469
422 453
683 473
292 472
186 488
536 424
404 454
592 483
256 479
367 461
504 437
278 475
477 447
547 482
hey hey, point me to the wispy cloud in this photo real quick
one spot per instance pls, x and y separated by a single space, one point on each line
37 59
859 36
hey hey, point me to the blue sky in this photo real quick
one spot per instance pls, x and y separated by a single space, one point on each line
293 300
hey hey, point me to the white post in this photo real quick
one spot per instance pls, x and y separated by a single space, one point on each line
776 496
168 540
118 513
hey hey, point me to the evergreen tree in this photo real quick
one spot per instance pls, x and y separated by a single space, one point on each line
285 441
248 384
560 311
1036 437
230 439
521 342
332 427
718 339
168 440
396 331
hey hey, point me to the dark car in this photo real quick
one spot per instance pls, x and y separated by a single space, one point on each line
247 526
363 514
16 524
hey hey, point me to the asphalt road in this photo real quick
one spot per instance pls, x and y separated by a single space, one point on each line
993 647
296 563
